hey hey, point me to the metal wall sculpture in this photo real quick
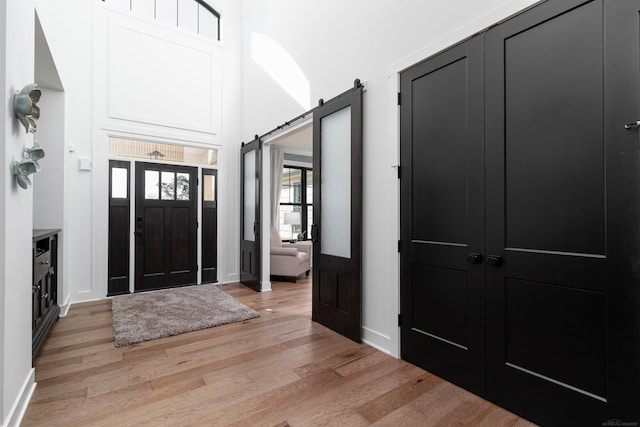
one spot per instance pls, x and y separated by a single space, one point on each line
25 107
27 112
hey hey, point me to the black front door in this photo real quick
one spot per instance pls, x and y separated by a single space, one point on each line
250 173
538 256
337 213
165 226
442 216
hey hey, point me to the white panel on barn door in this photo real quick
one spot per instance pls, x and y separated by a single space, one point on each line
143 8
164 77
167 11
188 15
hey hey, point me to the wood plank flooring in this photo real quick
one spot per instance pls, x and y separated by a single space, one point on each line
280 369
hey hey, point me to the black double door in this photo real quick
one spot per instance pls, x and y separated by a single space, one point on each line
165 226
520 199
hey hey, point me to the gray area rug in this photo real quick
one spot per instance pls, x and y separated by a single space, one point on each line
149 315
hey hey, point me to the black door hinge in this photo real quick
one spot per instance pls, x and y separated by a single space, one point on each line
399 171
399 319
399 98
399 245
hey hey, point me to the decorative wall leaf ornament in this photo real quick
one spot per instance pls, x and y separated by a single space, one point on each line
27 112
21 170
28 165
35 153
25 107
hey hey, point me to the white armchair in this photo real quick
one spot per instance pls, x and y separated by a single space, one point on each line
289 260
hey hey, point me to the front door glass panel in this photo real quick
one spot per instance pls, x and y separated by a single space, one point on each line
151 184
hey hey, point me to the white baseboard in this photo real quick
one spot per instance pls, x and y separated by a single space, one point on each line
231 278
20 405
228 282
64 308
378 341
265 286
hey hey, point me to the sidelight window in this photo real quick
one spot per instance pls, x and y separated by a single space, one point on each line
209 191
119 183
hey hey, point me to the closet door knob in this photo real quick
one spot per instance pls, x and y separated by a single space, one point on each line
474 258
494 260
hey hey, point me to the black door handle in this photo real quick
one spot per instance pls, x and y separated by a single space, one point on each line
494 260
314 233
474 258
138 230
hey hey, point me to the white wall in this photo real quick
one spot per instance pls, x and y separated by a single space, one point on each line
72 56
5 113
48 184
334 42
16 205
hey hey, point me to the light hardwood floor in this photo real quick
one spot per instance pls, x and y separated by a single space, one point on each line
280 369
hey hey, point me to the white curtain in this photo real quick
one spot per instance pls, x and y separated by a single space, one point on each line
277 163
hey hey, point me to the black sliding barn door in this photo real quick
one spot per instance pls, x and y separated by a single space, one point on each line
250 175
442 216
557 289
165 226
337 213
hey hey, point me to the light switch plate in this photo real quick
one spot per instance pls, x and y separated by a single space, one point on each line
84 164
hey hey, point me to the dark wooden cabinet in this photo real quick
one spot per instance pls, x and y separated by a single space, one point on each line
44 291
